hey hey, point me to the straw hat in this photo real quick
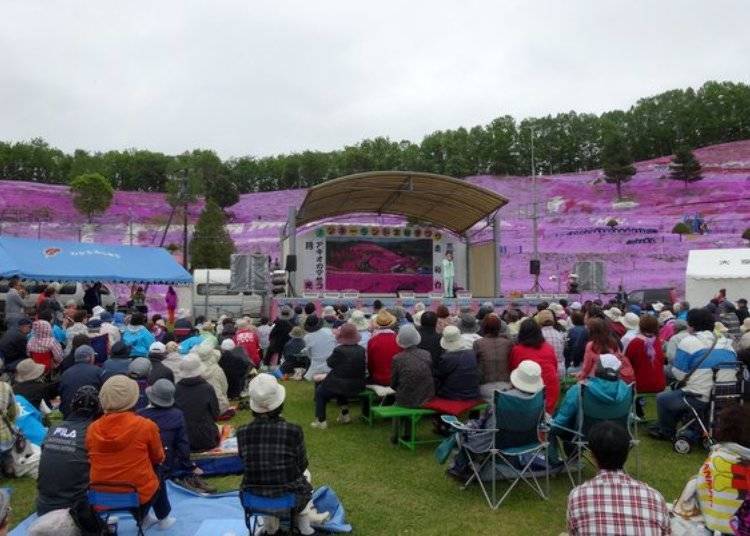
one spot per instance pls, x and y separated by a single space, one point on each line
265 393
665 316
658 306
384 319
556 308
359 320
452 340
545 317
630 321
614 314
348 334
28 370
119 393
527 377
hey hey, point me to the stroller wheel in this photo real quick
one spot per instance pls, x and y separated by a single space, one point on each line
681 445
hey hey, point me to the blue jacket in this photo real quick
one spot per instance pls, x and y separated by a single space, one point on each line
59 334
604 392
174 439
139 339
73 379
189 343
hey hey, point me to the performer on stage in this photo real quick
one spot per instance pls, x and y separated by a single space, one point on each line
448 273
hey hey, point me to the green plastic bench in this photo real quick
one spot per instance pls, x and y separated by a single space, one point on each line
414 415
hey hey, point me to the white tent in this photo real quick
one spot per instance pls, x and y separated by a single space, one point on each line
709 270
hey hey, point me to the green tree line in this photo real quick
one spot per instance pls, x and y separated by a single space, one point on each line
567 142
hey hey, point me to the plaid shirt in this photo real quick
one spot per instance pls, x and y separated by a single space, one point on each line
275 459
613 503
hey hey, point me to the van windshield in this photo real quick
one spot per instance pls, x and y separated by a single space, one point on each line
216 289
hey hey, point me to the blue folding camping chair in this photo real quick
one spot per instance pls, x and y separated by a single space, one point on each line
109 497
589 414
516 443
281 507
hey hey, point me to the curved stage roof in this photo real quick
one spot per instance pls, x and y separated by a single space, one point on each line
440 200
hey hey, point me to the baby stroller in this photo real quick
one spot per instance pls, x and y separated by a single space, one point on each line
701 425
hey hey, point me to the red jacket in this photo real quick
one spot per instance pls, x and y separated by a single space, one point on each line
546 358
618 329
381 348
591 358
649 373
250 341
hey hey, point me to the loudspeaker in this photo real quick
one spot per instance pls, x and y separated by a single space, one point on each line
291 263
535 267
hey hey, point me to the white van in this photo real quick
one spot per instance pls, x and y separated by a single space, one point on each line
211 296
65 292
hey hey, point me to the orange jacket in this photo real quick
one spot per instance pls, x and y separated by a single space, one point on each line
124 447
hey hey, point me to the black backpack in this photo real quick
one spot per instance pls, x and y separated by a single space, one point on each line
87 520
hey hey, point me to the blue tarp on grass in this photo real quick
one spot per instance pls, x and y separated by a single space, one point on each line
55 260
215 515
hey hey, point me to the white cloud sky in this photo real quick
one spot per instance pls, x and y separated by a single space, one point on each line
263 77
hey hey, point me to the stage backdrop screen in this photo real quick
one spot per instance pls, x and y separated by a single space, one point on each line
378 265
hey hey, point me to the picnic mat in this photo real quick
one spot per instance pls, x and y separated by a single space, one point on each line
223 460
200 514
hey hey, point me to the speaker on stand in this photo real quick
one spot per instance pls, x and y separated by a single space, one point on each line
535 268
290 266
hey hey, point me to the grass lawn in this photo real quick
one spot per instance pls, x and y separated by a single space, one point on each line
390 490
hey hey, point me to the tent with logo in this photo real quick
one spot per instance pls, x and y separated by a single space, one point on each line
55 260
709 270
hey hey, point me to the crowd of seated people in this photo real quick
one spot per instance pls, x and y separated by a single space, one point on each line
166 389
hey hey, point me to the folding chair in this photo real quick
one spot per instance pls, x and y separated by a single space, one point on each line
515 443
282 508
100 344
108 497
589 414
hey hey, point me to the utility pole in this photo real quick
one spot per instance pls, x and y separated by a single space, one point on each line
534 214
183 195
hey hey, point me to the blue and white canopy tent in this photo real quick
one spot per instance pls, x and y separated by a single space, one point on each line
55 260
